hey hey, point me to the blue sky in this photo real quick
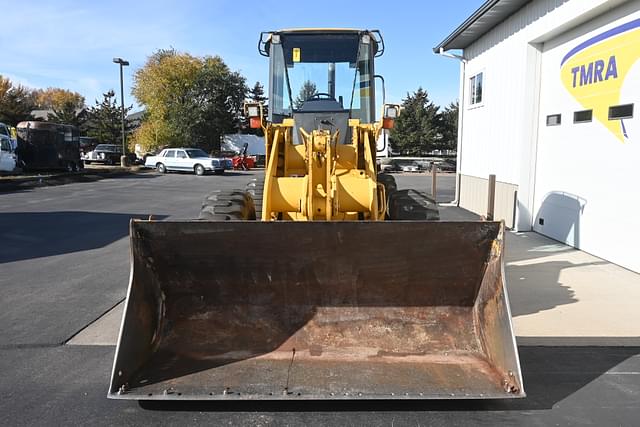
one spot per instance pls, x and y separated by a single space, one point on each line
70 44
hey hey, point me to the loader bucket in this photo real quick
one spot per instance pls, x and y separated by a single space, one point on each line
316 310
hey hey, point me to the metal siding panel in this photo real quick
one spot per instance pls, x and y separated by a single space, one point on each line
504 146
473 197
493 131
582 197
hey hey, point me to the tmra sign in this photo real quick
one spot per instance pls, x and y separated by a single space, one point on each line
597 73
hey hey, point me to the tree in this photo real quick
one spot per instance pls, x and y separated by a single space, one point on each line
307 90
68 114
190 101
416 130
449 128
211 107
54 98
165 75
150 135
104 120
256 93
16 103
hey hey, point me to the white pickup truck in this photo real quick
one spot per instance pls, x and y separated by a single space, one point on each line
188 160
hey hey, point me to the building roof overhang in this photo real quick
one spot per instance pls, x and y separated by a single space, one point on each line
490 14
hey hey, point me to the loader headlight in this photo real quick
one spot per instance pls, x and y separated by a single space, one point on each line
390 111
253 111
390 115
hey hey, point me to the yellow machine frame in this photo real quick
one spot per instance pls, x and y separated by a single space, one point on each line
322 179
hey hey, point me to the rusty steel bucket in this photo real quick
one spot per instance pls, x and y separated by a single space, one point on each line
320 310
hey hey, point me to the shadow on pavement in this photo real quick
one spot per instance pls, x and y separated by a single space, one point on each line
208 174
537 287
19 184
127 176
28 235
534 268
551 374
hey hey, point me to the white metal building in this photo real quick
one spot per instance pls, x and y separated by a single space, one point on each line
550 100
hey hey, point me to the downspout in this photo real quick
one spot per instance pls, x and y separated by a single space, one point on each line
461 107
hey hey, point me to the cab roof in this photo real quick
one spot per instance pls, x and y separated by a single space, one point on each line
265 37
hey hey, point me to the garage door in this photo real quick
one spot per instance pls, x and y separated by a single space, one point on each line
587 189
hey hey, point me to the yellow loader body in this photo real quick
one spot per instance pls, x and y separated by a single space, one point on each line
311 285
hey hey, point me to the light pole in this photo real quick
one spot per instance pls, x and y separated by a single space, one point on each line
123 159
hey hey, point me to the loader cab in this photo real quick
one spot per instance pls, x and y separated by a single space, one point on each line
321 78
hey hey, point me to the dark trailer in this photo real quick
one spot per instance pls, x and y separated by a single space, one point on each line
44 145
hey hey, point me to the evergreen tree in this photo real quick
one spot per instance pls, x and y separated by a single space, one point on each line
256 93
416 131
449 127
104 120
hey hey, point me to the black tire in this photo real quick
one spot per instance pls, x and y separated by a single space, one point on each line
412 205
198 170
234 205
161 168
255 189
388 181
390 187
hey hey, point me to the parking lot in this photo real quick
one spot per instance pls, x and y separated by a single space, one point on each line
64 262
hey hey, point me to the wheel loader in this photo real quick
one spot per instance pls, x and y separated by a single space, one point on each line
322 280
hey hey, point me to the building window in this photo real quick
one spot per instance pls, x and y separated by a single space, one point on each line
554 119
621 112
475 88
583 116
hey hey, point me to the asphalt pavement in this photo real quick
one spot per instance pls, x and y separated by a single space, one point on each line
64 263
65 249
